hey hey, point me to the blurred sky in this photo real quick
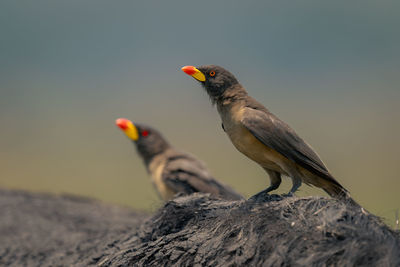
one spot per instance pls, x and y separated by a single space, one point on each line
68 69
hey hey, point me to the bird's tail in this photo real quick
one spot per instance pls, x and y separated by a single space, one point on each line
339 192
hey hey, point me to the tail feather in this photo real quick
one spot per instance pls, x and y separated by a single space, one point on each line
339 192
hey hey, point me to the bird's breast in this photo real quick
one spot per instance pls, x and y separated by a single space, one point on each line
156 169
246 143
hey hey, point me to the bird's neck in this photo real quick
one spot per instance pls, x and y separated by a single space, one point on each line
148 153
232 94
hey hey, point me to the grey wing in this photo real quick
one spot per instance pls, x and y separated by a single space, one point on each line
277 135
185 174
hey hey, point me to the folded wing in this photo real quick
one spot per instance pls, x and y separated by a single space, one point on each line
188 175
276 134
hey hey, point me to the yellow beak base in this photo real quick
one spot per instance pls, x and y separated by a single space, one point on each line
132 132
199 76
194 72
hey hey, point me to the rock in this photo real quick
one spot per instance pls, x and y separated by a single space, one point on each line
196 230
45 230
310 231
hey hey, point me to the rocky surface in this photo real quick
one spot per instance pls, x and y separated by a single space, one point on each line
312 231
47 230
42 230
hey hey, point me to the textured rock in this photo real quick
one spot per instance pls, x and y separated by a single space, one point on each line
196 230
46 230
310 231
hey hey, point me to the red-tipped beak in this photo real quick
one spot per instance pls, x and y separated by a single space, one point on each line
195 73
189 70
123 123
128 128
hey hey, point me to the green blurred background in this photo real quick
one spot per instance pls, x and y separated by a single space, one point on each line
68 69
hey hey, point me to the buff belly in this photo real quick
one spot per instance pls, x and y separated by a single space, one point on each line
250 146
156 170
246 143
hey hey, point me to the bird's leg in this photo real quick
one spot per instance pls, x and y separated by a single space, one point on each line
276 180
296 184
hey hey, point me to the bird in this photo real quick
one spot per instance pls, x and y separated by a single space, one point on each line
172 172
262 136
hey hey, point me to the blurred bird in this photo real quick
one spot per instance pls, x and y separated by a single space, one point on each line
262 136
172 171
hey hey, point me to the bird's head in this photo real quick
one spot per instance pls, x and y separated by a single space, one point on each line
149 142
215 79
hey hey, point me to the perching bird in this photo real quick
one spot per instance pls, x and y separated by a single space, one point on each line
262 136
172 171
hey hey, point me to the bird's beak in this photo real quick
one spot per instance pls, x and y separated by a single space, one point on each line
128 128
195 73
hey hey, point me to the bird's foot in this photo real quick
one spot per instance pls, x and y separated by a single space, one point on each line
263 196
290 194
179 194
259 197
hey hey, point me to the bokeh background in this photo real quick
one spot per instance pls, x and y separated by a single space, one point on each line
68 69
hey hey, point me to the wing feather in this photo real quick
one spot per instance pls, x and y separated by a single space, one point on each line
276 134
188 175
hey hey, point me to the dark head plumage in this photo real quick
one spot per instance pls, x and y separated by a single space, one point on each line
215 79
218 80
149 142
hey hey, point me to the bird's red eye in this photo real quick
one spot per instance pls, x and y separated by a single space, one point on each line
145 133
212 73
